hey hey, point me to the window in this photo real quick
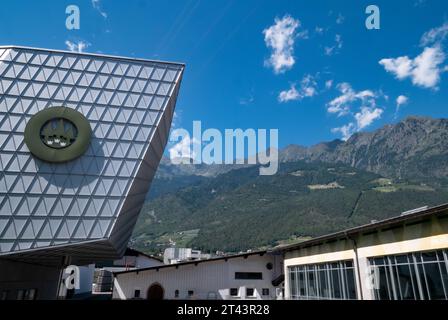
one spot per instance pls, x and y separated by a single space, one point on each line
412 276
176 294
20 294
4 295
334 280
31 294
137 293
250 292
233 292
265 291
190 293
248 275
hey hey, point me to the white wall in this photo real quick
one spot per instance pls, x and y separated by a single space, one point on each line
204 279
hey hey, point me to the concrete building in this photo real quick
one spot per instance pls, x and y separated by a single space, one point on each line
81 136
402 258
255 275
176 255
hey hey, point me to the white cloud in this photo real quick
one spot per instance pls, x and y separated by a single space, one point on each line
342 105
177 118
401 100
183 149
328 84
96 4
319 30
289 95
346 130
335 48
340 19
280 38
308 88
79 46
366 116
247 100
435 35
401 66
424 70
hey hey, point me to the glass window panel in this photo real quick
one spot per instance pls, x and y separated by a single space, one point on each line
350 281
382 293
401 259
429 256
302 284
378 261
444 275
405 282
434 281
292 275
324 289
422 283
312 287
337 290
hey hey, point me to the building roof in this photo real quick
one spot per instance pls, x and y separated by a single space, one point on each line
134 253
87 54
407 217
196 262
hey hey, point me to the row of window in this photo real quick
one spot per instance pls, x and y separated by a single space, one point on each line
22 294
250 292
323 281
411 276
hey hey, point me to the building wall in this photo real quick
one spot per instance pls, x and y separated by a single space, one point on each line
428 235
205 279
15 276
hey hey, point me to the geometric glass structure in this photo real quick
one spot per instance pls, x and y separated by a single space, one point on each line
84 208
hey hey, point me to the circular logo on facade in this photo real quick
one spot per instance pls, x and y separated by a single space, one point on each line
58 134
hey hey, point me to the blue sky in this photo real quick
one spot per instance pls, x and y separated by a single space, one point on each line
308 68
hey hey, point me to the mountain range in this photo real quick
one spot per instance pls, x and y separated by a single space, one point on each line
318 189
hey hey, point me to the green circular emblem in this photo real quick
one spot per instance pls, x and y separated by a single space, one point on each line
58 134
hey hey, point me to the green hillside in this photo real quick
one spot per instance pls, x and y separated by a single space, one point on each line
241 210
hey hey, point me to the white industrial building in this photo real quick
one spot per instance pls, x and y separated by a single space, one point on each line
256 275
401 258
